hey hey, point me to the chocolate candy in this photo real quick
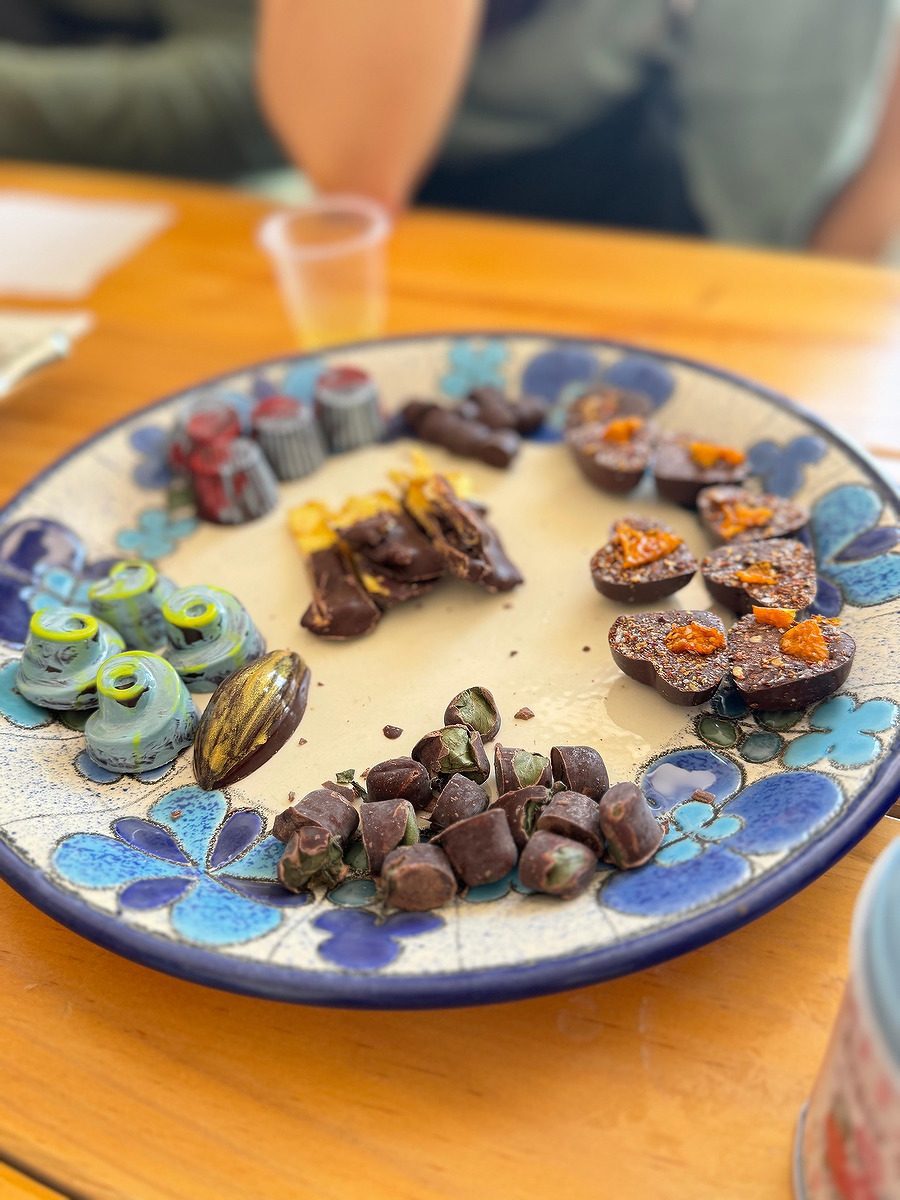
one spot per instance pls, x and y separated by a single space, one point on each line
579 769
341 607
733 514
211 635
328 808
476 708
684 465
289 436
346 402
384 825
556 865
773 573
145 717
459 798
451 750
394 560
130 598
481 849
399 779
495 409
312 857
644 561
778 668
572 815
63 653
601 402
522 808
249 717
632 832
442 426
233 483
614 454
515 768
417 878
682 654
469 545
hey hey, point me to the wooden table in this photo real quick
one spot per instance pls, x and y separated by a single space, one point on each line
683 1081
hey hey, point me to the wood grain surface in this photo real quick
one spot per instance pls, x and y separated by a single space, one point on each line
681 1082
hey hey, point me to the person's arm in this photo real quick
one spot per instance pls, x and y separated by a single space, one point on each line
358 91
864 217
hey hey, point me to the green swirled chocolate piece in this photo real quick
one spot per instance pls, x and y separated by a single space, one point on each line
130 598
250 716
62 656
145 716
210 636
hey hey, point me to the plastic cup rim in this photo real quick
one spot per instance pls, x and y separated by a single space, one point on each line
271 234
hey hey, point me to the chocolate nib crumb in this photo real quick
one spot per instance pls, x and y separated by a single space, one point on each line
585 649
513 653
175 814
301 742
524 714
706 797
392 731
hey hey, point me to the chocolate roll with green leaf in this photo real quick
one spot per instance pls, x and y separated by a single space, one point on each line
481 848
459 798
516 768
477 708
399 779
580 769
575 816
556 865
311 858
455 749
632 832
523 807
416 878
322 807
384 825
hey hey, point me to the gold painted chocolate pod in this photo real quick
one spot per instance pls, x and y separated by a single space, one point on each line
249 717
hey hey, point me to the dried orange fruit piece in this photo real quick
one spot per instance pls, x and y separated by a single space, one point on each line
761 572
641 546
736 517
623 429
694 639
783 618
708 454
805 641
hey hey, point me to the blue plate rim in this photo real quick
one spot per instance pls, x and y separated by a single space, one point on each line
355 989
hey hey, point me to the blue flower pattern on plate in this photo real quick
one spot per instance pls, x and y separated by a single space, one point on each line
360 941
157 534
29 548
842 731
474 362
854 552
211 868
16 708
152 470
781 468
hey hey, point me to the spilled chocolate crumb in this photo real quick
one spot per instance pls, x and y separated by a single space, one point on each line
585 649
392 731
524 714
301 742
319 683
513 653
175 814
706 797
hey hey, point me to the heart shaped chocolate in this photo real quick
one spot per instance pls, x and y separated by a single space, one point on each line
643 561
734 514
770 573
614 454
682 654
788 666
684 465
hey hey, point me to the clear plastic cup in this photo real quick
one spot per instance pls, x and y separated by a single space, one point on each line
329 259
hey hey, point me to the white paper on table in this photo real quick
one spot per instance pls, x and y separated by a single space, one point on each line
29 340
59 247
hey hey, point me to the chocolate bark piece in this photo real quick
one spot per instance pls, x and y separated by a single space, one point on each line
481 848
625 569
522 808
771 678
495 409
399 779
469 545
477 708
462 435
632 832
573 815
417 878
451 750
322 807
556 865
680 477
615 464
384 825
340 607
735 514
516 768
393 558
773 573
639 648
460 798
312 857
580 769
602 402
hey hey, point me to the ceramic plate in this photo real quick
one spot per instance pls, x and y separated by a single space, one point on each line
182 880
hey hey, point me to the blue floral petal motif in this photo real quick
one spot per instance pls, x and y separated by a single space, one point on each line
157 533
869 544
550 371
679 850
673 779
88 767
300 380
216 916
16 708
780 811
646 376
153 893
846 522
359 941
259 862
193 815
152 444
240 830
149 837
781 467
474 362
847 733
828 601
690 882
95 860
